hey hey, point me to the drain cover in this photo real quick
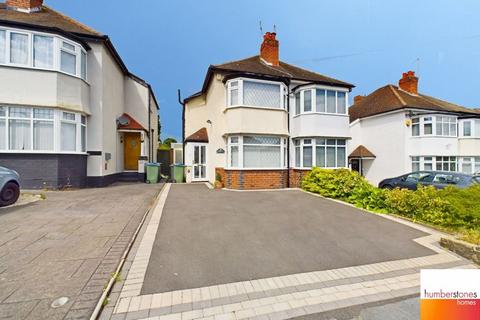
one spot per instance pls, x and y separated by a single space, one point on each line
59 302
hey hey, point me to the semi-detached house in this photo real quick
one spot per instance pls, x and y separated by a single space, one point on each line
71 113
396 130
261 123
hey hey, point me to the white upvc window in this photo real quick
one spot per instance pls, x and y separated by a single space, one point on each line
256 93
320 100
256 152
320 152
467 128
27 129
446 126
440 126
27 49
438 163
470 165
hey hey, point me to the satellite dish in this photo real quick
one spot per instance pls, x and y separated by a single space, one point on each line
123 121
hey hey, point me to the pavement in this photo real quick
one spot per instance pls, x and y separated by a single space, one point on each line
211 255
67 245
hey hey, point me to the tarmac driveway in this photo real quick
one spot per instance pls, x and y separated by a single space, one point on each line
66 246
208 237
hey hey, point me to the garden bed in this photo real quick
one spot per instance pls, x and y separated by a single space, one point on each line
452 210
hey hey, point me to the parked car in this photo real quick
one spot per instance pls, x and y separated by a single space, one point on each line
9 186
438 179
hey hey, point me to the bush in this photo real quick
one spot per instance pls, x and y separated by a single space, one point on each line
451 209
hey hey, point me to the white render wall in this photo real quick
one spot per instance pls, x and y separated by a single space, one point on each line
41 88
384 136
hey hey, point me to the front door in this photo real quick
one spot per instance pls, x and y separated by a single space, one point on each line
132 147
356 165
199 165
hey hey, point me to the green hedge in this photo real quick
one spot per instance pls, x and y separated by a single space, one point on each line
451 209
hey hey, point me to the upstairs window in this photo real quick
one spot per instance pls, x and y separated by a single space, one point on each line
446 126
427 126
43 52
415 127
38 50
320 101
19 48
3 46
256 93
467 128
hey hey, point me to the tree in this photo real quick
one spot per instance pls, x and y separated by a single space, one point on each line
167 143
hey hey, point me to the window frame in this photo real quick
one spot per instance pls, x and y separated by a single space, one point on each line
299 144
56 120
420 121
240 102
471 125
240 144
314 108
57 48
435 161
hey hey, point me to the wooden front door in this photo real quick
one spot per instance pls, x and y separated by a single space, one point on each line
132 148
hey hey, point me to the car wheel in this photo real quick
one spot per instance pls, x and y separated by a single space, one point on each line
10 194
387 186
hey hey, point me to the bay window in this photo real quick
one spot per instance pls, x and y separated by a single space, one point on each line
256 152
26 129
324 101
43 51
320 152
470 165
444 126
256 93
439 163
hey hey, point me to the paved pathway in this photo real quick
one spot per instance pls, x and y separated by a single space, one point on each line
277 297
67 245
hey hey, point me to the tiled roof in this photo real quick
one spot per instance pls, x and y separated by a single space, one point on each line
47 17
199 136
391 98
255 66
361 152
131 125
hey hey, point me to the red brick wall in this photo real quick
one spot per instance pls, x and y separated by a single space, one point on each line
24 4
253 179
296 176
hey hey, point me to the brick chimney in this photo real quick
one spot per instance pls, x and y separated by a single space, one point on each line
25 5
409 82
357 99
269 49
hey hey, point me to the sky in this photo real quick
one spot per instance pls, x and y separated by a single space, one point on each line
369 43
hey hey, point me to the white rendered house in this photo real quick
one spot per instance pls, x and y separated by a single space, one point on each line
396 130
261 123
71 113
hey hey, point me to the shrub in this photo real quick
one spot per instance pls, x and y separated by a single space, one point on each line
451 209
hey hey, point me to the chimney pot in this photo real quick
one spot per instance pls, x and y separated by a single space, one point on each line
409 82
25 5
269 49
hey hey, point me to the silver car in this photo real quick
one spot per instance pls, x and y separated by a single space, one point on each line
9 186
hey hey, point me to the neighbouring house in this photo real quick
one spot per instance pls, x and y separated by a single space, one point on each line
396 130
260 123
71 113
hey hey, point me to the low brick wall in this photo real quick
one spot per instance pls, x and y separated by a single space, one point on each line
462 248
253 179
296 176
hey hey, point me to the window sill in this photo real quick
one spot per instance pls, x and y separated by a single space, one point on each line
433 136
253 107
321 113
469 138
305 168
